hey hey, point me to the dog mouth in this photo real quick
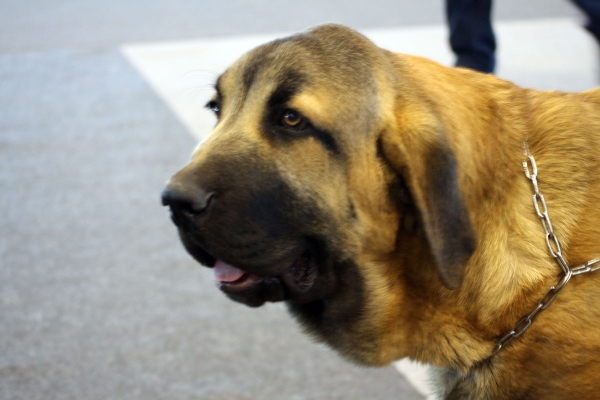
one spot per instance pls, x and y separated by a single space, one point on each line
295 281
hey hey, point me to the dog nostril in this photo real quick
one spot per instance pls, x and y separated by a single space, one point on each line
186 202
186 209
198 205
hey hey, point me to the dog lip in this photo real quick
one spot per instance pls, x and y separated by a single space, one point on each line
241 284
298 277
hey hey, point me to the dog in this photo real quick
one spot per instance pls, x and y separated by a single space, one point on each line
383 198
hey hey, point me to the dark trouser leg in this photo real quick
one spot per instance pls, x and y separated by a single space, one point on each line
471 35
592 9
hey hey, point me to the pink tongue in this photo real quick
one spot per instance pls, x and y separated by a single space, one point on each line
223 272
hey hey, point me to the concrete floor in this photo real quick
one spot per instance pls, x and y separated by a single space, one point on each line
98 300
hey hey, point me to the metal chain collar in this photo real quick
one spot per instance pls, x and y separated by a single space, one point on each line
554 248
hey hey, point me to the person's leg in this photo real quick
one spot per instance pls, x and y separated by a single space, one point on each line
471 35
592 9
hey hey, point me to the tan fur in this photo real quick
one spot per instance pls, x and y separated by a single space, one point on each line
486 121
411 105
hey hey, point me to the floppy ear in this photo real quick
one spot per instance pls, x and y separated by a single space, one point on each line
431 176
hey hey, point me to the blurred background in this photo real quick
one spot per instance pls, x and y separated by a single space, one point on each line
100 102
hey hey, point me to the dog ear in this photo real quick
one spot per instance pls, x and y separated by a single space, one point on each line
430 174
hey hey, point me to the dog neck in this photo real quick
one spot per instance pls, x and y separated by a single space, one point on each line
555 250
454 383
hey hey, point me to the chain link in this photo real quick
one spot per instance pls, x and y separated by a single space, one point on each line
590 266
541 210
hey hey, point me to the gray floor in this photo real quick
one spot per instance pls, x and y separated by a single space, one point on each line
97 298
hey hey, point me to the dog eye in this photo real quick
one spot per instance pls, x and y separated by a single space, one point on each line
293 119
214 106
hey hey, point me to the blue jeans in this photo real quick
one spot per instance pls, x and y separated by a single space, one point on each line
472 37
592 9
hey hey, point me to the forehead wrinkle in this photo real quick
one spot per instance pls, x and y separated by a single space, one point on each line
259 59
249 76
288 84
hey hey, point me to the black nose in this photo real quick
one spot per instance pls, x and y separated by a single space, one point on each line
185 200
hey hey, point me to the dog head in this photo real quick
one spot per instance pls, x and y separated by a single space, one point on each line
327 183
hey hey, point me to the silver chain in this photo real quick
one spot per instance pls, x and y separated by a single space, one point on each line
554 248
